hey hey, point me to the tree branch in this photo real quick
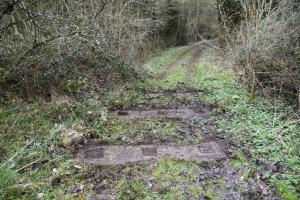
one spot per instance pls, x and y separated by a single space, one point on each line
102 8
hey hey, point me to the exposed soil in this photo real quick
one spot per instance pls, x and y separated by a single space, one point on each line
175 100
173 94
176 61
227 182
195 57
216 152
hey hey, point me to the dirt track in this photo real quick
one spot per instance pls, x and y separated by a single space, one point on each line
227 181
175 62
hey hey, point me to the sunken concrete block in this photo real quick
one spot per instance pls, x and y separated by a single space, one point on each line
166 113
119 154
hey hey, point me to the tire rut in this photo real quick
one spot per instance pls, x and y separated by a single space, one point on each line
171 65
214 149
193 60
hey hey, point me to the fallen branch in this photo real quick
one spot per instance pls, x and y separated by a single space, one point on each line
213 46
30 164
17 153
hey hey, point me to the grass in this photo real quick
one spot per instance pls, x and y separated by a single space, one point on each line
269 129
157 64
173 79
49 125
45 125
171 179
7 181
133 130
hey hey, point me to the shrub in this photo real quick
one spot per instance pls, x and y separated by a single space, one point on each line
266 45
45 43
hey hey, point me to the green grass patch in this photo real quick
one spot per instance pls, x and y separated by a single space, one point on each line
8 179
32 145
158 63
133 130
270 128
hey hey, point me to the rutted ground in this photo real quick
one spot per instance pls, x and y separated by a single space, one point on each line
187 103
174 97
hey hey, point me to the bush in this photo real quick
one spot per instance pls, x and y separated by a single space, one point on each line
46 43
266 46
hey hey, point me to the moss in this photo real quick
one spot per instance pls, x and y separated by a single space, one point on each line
174 193
237 164
198 139
134 130
168 174
128 189
195 191
174 170
286 192
222 183
210 192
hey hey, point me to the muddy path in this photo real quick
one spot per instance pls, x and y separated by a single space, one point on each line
175 62
174 93
193 61
209 161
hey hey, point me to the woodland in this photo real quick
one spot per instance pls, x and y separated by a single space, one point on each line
144 77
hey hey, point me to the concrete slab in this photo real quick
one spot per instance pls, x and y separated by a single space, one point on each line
173 94
118 154
167 113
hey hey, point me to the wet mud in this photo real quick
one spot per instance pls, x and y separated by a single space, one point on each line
215 153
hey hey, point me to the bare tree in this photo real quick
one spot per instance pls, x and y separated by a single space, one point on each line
266 45
44 43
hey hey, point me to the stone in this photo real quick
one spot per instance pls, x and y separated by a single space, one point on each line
40 195
149 186
185 173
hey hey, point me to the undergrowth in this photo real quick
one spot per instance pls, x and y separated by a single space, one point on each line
269 128
37 139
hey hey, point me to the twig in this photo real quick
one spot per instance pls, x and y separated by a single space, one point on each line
299 100
102 8
263 188
54 159
17 153
215 47
18 22
28 165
